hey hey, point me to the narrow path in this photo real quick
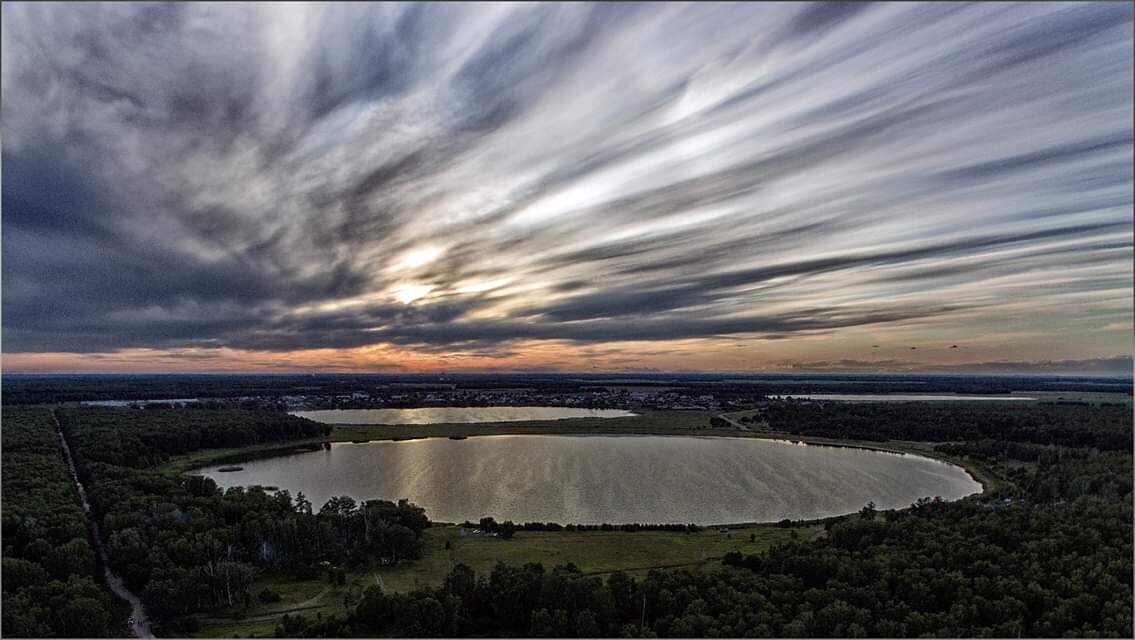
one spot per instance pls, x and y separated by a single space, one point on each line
141 624
674 565
734 423
310 602
265 616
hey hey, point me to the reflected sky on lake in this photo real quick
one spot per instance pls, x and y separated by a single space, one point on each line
443 415
616 479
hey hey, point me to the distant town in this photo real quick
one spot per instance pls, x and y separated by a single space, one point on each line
695 392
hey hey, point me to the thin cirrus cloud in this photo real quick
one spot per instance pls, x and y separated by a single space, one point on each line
524 184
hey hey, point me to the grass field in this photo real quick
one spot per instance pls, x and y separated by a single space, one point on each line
594 552
297 597
757 425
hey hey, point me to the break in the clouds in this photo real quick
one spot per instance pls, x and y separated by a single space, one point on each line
534 185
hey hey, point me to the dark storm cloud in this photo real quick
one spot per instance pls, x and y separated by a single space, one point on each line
1032 159
465 176
676 327
704 289
821 16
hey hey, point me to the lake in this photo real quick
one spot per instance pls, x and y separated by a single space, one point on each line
129 403
616 479
442 415
899 397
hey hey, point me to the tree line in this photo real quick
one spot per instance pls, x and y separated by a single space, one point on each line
490 525
1106 427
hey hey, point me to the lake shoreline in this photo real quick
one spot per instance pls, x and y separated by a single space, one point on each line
919 450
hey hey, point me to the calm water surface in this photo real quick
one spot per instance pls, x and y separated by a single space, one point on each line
127 403
441 415
899 397
617 479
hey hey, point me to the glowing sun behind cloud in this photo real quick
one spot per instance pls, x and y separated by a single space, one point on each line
566 186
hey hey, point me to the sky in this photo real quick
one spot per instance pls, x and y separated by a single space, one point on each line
567 187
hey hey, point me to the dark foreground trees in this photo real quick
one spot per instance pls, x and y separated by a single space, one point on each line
49 579
184 545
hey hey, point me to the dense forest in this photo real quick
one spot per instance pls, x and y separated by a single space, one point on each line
142 438
49 585
186 546
1102 426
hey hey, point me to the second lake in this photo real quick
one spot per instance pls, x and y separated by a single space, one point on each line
443 415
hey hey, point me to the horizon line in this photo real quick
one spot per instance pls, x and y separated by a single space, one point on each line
1036 374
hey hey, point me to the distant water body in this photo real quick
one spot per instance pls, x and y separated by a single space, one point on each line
900 397
129 403
615 479
443 415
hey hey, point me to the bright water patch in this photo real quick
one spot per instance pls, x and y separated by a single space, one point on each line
616 479
130 403
900 397
442 415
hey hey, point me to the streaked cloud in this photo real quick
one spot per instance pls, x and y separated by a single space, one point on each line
519 185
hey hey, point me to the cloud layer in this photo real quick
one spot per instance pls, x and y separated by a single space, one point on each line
445 178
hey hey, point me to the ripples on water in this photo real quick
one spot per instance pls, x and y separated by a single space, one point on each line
442 415
899 397
616 479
